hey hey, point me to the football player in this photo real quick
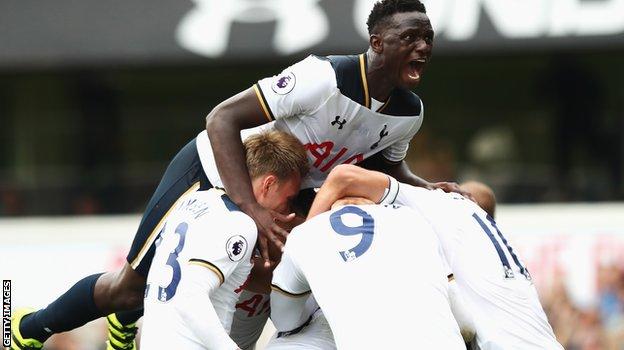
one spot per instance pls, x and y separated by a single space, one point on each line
204 251
363 260
496 286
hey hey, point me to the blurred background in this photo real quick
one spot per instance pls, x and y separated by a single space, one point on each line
526 96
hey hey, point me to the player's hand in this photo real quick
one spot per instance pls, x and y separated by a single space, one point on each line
259 280
270 234
288 223
451 187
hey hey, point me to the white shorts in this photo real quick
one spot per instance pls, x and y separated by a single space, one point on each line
317 335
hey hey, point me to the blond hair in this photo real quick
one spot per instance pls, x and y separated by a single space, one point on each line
275 152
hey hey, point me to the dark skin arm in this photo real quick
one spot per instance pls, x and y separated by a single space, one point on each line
224 124
402 173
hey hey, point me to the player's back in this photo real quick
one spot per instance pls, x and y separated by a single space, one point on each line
361 261
203 229
492 278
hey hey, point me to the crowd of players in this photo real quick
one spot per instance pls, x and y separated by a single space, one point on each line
384 258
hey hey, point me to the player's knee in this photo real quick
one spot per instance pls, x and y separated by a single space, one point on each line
483 194
125 297
127 289
132 301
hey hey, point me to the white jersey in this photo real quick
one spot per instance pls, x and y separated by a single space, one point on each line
250 317
493 281
316 335
356 260
208 230
325 103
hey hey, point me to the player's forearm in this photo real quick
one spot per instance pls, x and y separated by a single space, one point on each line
229 155
202 319
348 181
196 310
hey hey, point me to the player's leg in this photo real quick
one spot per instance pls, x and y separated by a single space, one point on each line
184 175
97 295
31 329
122 290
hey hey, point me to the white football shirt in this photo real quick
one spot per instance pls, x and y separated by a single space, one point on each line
325 103
494 282
359 260
250 317
206 229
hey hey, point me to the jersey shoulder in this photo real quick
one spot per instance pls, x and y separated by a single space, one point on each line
225 220
313 72
350 72
404 103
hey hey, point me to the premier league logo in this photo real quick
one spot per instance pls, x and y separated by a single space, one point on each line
284 83
236 247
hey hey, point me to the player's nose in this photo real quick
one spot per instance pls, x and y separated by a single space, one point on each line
423 48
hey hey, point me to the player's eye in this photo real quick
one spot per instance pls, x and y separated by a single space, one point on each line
429 38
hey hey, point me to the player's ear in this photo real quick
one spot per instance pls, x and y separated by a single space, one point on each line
268 182
376 43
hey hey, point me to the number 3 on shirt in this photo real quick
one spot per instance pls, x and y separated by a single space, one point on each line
366 229
167 292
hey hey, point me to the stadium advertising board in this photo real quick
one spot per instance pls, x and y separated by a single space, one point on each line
65 32
562 245
558 243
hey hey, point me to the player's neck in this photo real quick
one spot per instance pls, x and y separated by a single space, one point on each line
379 85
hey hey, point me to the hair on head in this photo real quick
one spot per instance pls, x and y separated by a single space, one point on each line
383 10
275 152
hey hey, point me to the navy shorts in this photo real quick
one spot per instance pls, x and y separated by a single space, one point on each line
183 175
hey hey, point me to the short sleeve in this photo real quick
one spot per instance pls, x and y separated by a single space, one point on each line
406 195
397 151
436 206
300 89
221 241
288 278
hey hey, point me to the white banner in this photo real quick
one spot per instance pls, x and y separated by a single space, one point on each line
45 256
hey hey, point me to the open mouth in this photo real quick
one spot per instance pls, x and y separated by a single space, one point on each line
416 68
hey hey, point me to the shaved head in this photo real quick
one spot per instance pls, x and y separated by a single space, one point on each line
483 194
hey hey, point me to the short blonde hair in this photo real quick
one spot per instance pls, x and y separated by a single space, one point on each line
275 152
